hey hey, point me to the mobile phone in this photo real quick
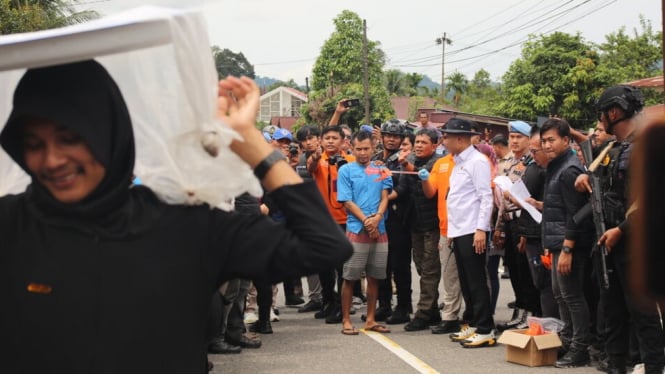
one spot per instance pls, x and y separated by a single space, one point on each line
351 103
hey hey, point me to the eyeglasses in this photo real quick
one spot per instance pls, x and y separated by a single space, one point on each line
534 151
347 137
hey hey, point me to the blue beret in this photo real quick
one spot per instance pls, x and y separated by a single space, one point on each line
520 127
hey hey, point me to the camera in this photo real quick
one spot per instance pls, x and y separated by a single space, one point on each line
337 160
293 149
351 103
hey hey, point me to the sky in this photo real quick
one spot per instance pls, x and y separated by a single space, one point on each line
282 39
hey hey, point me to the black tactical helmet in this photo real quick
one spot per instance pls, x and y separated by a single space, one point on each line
393 127
628 98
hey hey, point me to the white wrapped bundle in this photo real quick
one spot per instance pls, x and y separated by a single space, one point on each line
162 62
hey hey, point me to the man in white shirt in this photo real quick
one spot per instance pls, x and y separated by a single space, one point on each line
469 209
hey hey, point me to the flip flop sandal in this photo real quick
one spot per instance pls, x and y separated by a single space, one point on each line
378 328
350 331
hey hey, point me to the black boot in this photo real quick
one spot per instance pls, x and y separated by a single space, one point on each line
574 358
382 313
244 342
262 327
616 364
335 315
399 315
325 311
219 346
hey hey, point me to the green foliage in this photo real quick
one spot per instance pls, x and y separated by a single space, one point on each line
322 103
338 74
482 95
561 74
554 76
458 84
27 16
630 56
228 63
625 57
395 82
341 62
412 81
402 84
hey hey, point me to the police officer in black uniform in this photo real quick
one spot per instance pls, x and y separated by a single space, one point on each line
617 108
399 237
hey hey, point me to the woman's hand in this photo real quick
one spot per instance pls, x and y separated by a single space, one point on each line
238 103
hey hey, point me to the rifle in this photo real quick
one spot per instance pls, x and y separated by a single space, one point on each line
596 203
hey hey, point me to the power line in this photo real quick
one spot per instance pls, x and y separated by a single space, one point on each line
530 23
521 40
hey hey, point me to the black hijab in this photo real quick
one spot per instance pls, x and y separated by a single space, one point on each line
82 97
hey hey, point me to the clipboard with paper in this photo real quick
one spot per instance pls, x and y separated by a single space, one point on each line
520 193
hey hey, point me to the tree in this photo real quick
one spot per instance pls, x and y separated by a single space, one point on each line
341 61
338 73
228 63
395 82
554 76
626 57
482 95
25 16
321 105
457 83
412 81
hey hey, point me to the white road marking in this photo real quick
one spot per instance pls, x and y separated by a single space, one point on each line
400 352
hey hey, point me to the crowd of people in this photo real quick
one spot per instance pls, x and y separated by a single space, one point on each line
443 212
94 269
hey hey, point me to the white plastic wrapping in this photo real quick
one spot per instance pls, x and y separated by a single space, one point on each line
162 62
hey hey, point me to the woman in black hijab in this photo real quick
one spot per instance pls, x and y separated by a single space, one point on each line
98 277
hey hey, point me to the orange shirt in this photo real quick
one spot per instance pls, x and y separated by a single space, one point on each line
439 178
325 177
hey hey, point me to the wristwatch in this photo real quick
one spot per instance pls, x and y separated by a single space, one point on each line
566 249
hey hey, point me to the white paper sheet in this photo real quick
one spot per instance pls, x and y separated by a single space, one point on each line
520 193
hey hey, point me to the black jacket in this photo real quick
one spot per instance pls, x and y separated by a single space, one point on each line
120 282
561 202
398 208
138 304
422 214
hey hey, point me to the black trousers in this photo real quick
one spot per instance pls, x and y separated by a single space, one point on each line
471 267
621 309
399 265
328 280
542 278
526 294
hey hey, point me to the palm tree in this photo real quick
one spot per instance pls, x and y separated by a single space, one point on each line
457 83
394 80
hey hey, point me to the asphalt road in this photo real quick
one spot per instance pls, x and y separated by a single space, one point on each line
302 344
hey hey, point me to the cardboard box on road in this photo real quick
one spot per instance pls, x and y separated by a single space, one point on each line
539 350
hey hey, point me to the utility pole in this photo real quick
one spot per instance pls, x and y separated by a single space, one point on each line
365 72
443 40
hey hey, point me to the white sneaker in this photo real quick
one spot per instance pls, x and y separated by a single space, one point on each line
479 340
273 317
357 301
465 332
251 317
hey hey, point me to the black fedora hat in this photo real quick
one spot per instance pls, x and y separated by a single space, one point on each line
459 126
